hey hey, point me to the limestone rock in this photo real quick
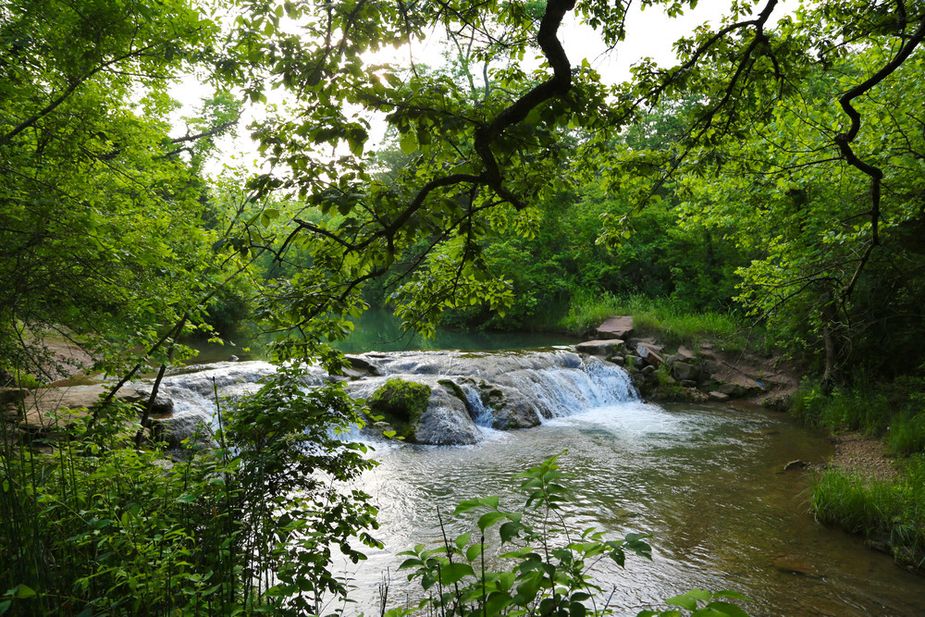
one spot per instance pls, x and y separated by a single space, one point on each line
363 366
510 408
601 347
716 395
45 406
650 354
616 328
685 371
446 421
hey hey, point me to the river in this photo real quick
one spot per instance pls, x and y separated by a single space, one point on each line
706 482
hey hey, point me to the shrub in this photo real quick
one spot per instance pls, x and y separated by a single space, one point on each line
90 524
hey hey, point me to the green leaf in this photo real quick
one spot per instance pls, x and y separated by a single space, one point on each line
690 599
23 592
454 572
509 530
408 143
474 551
490 518
725 608
471 504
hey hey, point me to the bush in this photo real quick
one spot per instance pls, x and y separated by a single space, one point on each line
96 526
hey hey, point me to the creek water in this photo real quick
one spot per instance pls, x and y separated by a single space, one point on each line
705 481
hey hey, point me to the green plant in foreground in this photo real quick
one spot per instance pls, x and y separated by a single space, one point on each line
537 564
91 525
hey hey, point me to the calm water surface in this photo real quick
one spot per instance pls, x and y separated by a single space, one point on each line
705 482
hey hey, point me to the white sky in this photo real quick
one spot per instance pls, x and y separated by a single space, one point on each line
649 33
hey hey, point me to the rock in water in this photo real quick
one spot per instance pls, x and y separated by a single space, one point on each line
446 421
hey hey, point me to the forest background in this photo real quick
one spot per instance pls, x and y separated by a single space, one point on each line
766 190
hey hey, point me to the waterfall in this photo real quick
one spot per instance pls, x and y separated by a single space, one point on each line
471 393
482 414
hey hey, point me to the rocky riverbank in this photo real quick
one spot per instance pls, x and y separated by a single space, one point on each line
465 393
705 372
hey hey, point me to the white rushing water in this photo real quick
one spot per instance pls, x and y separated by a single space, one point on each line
473 394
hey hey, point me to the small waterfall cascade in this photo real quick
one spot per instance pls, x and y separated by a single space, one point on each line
471 393
481 414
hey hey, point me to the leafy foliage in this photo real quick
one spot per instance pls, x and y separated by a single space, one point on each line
249 524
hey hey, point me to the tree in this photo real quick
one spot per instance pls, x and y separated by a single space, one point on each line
101 233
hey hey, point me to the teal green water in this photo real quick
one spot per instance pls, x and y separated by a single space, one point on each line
379 330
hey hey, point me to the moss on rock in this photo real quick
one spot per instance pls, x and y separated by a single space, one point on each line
401 403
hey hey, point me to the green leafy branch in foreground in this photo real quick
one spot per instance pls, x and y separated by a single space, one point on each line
543 566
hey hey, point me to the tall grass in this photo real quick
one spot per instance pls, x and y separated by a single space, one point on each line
887 511
668 319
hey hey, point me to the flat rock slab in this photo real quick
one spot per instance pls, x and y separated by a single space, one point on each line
47 407
616 328
601 347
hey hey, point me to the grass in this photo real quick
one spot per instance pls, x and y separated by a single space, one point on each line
891 512
907 434
887 511
668 319
895 412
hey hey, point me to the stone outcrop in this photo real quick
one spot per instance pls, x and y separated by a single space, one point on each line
601 347
616 328
46 408
700 374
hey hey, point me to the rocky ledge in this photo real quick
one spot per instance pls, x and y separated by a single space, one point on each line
705 373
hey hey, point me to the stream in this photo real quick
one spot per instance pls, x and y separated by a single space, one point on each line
705 481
